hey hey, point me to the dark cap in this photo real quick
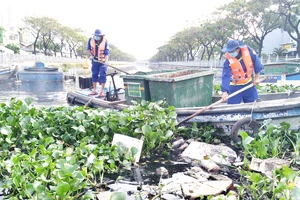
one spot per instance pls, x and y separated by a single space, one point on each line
232 45
98 32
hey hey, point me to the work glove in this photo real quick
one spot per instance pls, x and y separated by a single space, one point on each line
91 57
106 62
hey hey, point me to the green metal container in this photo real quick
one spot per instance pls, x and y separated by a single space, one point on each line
184 88
137 87
281 68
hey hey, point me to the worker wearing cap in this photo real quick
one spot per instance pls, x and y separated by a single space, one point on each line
98 51
241 68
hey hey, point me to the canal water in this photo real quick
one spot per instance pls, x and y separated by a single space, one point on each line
47 94
44 94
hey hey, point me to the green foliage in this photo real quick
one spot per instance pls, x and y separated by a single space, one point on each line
13 47
1 34
217 89
272 141
60 152
206 133
50 35
118 55
268 88
281 186
118 196
279 51
271 88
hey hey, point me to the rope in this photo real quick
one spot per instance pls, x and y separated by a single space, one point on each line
252 110
88 103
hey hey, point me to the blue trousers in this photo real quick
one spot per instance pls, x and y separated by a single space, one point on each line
247 96
99 69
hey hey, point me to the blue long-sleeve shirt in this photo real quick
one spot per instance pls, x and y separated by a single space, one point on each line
226 73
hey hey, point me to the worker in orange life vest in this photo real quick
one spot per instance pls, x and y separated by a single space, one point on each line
98 51
241 68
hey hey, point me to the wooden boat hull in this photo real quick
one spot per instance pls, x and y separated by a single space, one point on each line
222 116
7 73
225 116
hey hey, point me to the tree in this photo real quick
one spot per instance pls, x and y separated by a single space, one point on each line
279 51
188 43
48 34
36 25
2 30
290 13
252 20
13 47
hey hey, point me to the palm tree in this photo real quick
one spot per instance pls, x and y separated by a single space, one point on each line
279 52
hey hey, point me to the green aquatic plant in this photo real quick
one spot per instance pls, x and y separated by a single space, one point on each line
272 141
280 186
263 89
64 152
204 132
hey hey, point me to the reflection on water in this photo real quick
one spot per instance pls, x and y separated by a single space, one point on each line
40 87
43 93
54 93
46 94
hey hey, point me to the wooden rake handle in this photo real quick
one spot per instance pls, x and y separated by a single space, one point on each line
220 101
112 67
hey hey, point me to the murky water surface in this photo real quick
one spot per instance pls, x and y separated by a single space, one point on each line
44 93
54 93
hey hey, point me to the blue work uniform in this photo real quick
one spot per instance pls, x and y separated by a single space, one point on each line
228 86
96 66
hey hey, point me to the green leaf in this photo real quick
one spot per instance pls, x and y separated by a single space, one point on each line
78 175
62 188
153 136
248 140
146 129
91 158
134 150
70 168
105 129
255 177
8 140
81 129
5 130
118 196
88 195
169 133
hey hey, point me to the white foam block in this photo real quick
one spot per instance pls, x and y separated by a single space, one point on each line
129 142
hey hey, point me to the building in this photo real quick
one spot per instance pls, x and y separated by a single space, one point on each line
279 39
9 21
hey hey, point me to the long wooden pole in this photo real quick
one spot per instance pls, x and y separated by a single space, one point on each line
112 67
218 102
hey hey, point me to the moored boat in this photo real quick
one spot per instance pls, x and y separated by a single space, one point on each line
7 72
230 118
222 116
283 73
39 72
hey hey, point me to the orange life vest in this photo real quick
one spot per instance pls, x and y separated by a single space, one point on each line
101 48
239 76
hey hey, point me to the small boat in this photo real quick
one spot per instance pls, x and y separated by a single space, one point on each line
7 72
230 119
283 73
39 72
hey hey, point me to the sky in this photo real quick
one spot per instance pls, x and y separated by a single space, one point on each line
137 27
